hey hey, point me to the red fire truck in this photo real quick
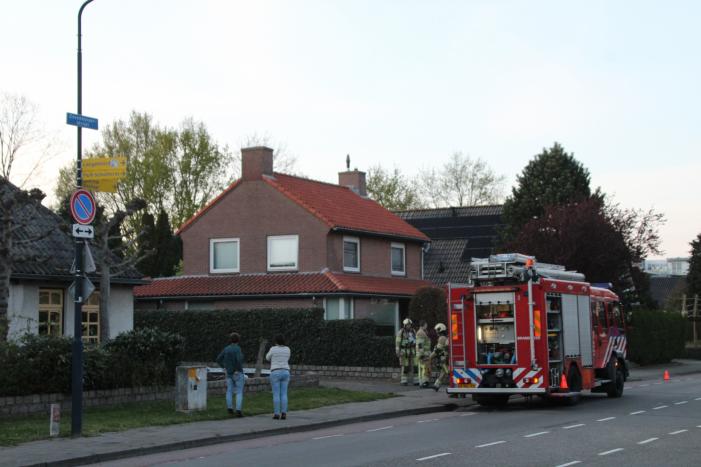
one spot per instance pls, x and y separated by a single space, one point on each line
522 327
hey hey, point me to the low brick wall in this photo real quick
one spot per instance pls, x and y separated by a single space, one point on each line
347 371
38 403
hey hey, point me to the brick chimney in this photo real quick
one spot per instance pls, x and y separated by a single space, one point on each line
355 180
256 162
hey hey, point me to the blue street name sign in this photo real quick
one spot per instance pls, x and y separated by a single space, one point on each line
81 121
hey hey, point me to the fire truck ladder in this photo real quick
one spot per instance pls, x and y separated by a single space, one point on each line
509 266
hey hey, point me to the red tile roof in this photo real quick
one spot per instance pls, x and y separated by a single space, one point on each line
321 283
337 206
341 208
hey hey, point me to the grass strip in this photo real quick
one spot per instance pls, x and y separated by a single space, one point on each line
96 420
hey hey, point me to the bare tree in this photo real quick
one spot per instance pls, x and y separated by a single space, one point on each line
20 132
114 257
462 181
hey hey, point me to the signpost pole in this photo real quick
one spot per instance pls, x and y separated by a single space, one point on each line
77 353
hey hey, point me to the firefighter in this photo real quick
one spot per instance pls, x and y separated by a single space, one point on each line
405 347
423 354
440 353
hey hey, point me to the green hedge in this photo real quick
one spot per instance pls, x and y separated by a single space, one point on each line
312 340
42 364
655 336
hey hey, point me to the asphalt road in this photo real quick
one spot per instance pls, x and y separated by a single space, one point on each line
653 424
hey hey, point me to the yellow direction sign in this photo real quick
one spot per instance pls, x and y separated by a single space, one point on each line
104 168
101 184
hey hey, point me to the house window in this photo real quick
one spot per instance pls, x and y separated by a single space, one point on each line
351 254
398 259
283 253
338 308
223 255
51 312
91 319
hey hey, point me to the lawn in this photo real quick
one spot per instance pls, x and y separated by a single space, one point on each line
98 420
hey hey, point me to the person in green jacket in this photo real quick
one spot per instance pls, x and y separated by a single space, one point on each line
231 359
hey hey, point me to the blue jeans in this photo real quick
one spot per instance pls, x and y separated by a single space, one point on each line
234 382
279 380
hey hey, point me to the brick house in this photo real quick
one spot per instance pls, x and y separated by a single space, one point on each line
275 240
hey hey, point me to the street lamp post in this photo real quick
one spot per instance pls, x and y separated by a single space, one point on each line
77 353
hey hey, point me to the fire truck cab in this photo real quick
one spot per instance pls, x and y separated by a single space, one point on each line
522 327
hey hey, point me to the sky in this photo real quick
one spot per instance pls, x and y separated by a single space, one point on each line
398 83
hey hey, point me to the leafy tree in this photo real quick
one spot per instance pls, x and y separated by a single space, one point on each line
428 303
462 181
168 247
693 279
393 190
553 177
147 243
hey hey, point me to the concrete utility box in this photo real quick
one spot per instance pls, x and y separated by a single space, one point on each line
190 388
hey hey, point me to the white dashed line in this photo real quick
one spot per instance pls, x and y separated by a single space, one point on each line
680 403
677 432
656 383
379 429
660 407
329 436
644 385
489 444
569 463
606 453
569 427
698 399
433 456
649 440
605 419
427 421
533 435
638 412
468 414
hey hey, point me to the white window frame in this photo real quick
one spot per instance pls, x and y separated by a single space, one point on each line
283 268
355 240
212 242
391 266
342 307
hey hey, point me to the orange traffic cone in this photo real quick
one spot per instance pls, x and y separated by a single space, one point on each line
666 375
563 383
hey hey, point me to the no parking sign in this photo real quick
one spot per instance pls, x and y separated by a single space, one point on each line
82 207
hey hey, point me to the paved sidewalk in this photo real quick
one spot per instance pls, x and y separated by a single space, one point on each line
141 441
411 401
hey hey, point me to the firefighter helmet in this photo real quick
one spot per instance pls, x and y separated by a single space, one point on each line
440 327
406 322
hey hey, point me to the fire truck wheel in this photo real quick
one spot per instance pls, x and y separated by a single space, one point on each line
574 381
615 387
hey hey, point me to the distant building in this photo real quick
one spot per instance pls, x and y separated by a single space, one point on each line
667 267
457 234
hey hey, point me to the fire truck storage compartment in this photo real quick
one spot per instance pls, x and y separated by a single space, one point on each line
496 331
570 325
585 329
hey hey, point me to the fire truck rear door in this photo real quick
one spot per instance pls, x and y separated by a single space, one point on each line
583 308
570 324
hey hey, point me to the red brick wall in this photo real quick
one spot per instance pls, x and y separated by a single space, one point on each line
374 256
251 212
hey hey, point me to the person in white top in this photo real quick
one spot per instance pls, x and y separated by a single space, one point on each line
279 357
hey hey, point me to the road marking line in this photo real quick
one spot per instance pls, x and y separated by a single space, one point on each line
468 414
572 426
698 399
490 444
378 429
649 440
680 403
329 436
656 383
606 453
569 463
536 434
605 419
644 385
434 456
660 407
426 421
638 412
677 432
